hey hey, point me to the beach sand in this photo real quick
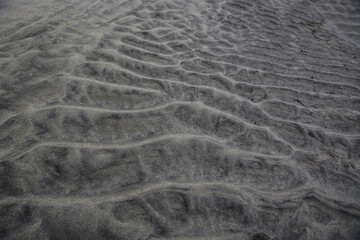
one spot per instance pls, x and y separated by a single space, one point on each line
170 119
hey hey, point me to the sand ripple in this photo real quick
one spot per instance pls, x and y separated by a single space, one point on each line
169 119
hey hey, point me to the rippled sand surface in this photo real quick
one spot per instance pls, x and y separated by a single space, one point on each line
169 119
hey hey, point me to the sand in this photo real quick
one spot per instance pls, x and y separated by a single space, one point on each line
169 119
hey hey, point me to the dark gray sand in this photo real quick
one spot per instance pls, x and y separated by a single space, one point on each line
169 119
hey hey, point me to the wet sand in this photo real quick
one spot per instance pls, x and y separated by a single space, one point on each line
169 119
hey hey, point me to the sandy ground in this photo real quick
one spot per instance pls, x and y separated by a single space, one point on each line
169 119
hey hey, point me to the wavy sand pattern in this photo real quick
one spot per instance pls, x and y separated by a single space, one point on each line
170 119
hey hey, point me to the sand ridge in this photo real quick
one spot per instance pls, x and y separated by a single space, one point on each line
169 119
